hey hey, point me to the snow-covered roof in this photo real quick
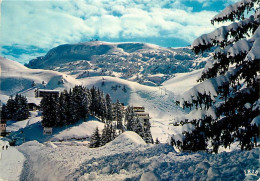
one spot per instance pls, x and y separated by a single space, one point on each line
46 90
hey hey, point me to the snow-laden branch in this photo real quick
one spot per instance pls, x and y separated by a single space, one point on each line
234 11
220 36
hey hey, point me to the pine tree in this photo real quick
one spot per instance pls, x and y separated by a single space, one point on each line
73 107
62 109
80 102
11 108
147 132
95 140
94 101
22 111
138 126
102 109
4 112
109 115
119 115
49 111
129 118
229 90
17 108
86 103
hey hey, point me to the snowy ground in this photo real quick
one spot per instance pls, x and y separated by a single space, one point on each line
11 162
128 157
159 102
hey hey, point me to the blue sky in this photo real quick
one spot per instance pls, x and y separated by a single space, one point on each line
31 28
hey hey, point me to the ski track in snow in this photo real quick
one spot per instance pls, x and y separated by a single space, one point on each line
11 162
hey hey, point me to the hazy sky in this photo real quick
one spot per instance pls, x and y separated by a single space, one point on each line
30 28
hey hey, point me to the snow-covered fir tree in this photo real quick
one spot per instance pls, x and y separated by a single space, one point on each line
109 115
16 108
94 101
228 96
102 108
129 118
108 133
80 101
10 108
147 131
119 115
95 139
73 107
62 109
49 106
138 126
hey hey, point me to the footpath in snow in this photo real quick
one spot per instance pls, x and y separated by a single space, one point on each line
11 162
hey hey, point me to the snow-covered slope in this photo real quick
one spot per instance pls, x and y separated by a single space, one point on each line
144 63
158 103
116 161
11 162
16 78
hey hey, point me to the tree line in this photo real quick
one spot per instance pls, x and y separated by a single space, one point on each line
71 106
16 108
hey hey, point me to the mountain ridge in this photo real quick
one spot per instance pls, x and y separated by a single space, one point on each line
144 63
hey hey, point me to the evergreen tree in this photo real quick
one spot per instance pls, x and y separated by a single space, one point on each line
157 141
4 112
138 126
80 100
62 106
11 108
147 132
22 111
129 118
119 115
86 102
95 140
109 115
73 107
101 109
49 105
67 107
229 90
108 133
17 108
94 101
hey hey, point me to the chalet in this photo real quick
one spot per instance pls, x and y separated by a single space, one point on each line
45 92
33 107
138 109
2 123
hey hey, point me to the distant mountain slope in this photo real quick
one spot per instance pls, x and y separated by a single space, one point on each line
140 62
16 78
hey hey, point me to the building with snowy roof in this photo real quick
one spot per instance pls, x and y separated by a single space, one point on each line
45 92
140 112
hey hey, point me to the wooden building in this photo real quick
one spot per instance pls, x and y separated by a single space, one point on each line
33 107
45 92
2 122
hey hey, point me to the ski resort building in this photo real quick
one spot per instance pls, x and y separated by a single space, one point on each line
33 107
2 123
138 109
140 112
45 92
